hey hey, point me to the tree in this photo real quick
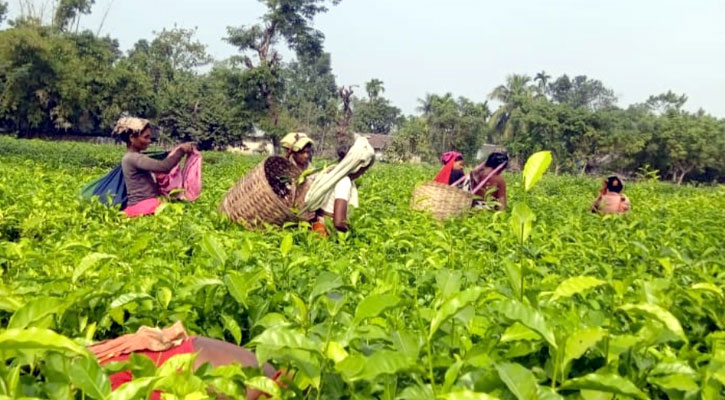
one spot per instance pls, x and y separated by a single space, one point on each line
289 20
376 114
68 12
411 140
582 92
457 124
542 79
512 96
310 96
663 102
3 10
374 87
689 142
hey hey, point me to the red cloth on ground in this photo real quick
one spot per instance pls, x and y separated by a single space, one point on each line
158 357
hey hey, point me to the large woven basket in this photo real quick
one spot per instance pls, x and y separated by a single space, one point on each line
443 201
262 196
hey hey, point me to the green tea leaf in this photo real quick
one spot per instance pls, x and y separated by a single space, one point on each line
466 395
605 383
575 285
88 376
279 337
355 368
88 262
521 221
39 339
535 167
517 311
519 380
451 306
286 245
265 385
124 299
34 311
580 341
231 325
374 305
659 314
138 388
326 281
211 246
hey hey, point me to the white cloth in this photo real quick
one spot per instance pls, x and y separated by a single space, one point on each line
361 154
344 190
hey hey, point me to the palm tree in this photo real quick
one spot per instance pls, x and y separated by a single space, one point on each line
374 88
512 96
543 79
426 104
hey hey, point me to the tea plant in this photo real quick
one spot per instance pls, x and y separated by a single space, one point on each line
402 307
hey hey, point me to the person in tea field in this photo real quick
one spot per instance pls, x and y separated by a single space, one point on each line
298 149
489 185
610 199
161 344
143 187
452 170
334 190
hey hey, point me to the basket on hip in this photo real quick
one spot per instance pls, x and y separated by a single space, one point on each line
443 201
265 195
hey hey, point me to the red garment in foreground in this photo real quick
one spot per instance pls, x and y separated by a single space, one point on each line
158 357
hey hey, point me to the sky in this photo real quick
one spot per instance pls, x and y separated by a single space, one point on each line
637 48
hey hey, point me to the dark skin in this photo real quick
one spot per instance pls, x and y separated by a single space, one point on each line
217 353
140 142
339 218
496 181
302 157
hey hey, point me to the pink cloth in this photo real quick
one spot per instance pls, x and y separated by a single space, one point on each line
187 178
450 156
143 207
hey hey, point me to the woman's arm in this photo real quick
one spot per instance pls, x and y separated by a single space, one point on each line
597 203
147 163
501 193
339 218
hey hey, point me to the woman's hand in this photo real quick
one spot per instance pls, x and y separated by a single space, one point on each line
604 188
187 147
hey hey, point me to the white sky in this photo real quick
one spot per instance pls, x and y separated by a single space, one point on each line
467 47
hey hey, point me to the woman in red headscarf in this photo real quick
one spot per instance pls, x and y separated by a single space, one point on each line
452 171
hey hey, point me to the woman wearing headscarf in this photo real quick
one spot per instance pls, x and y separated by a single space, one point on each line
142 187
334 190
452 170
298 149
610 199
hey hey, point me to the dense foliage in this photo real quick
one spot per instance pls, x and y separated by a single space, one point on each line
55 80
401 307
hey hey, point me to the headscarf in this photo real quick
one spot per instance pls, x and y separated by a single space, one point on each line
132 124
295 141
360 155
449 159
450 155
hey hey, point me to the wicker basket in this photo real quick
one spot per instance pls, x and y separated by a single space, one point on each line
443 201
262 196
